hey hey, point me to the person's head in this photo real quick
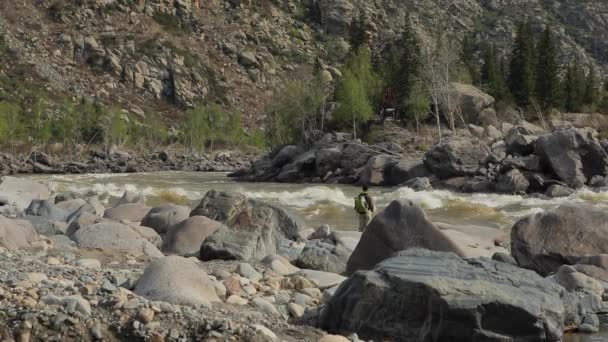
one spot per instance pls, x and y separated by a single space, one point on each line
364 187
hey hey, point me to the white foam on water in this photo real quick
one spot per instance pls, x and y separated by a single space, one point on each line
304 198
426 199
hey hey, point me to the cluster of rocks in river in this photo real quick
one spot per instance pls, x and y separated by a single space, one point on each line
116 161
236 268
513 159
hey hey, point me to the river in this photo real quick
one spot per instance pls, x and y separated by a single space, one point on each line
318 204
331 204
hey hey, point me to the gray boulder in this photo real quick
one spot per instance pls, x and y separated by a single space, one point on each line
254 229
15 234
162 218
47 209
511 182
186 237
82 220
573 155
405 170
45 226
114 236
134 212
457 156
177 280
545 241
472 101
323 256
400 226
431 296
336 15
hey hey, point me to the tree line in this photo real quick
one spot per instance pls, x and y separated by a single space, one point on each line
412 79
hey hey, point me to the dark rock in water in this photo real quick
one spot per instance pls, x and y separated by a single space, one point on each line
400 226
457 156
474 185
406 170
255 229
419 184
573 155
511 182
502 257
41 158
323 256
557 190
286 155
430 296
545 241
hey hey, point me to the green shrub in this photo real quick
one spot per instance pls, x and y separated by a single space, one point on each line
11 126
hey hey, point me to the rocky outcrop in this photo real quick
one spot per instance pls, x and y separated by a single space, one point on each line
423 295
543 242
400 226
254 229
472 101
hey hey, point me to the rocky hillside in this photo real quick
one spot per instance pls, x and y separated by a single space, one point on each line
168 55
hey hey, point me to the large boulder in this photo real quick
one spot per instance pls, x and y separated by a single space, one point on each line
15 234
457 156
162 218
114 236
323 256
134 212
186 237
376 171
400 226
20 191
430 296
286 155
405 170
520 141
472 101
573 155
131 197
326 160
177 280
254 229
545 241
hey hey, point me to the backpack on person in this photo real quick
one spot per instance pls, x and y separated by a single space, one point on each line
360 205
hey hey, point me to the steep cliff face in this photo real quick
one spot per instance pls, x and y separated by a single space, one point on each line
168 55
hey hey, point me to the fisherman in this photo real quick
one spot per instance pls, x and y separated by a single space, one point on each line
364 206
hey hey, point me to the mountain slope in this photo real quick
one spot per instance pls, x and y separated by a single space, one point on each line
168 55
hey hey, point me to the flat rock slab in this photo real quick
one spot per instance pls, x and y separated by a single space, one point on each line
421 295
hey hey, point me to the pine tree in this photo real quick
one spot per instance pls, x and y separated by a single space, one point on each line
521 71
492 74
591 88
547 82
402 64
574 88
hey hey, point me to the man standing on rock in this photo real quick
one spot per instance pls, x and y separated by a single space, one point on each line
364 206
